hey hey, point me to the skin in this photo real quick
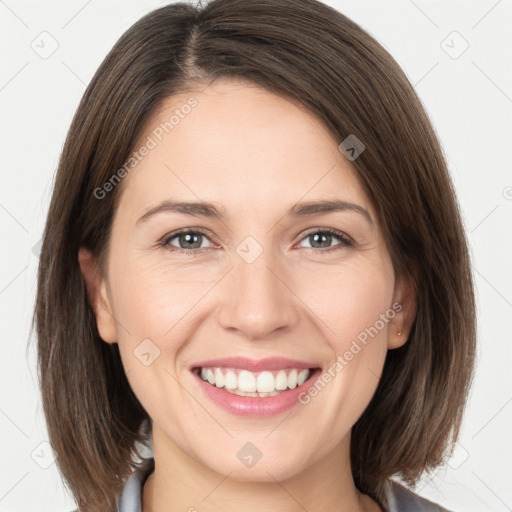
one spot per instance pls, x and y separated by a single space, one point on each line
256 154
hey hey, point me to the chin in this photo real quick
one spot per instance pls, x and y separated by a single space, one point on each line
267 465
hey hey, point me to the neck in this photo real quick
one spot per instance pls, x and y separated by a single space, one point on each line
182 483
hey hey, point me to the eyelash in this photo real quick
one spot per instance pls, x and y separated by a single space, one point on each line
345 241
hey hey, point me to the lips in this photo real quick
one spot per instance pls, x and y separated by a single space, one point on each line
255 365
250 387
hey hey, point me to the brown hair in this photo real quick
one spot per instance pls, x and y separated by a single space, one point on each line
311 53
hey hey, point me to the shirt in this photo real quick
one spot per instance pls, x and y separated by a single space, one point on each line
399 497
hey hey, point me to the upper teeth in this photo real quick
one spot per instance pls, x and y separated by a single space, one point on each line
250 382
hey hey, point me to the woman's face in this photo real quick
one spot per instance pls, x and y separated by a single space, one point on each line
254 294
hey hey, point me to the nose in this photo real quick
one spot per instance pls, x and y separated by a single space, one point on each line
259 301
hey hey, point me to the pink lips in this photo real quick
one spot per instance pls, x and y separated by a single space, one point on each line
255 365
255 406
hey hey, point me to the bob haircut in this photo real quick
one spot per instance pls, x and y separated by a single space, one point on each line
313 55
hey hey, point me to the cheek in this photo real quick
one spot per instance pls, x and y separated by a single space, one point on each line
350 299
353 304
157 308
150 311
153 301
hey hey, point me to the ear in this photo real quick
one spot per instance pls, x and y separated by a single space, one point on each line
401 324
98 296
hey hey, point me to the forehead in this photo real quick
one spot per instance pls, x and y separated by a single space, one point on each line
238 144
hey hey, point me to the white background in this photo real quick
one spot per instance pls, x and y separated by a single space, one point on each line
469 100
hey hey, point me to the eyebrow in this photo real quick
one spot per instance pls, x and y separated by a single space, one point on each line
205 209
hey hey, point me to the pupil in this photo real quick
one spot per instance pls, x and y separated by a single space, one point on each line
189 239
327 238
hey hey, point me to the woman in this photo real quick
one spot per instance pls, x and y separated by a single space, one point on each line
255 263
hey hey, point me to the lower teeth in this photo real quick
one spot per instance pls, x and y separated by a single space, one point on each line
254 394
246 393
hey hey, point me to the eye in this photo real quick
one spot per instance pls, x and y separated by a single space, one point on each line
322 238
187 241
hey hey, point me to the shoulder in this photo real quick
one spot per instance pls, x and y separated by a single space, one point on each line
402 499
131 494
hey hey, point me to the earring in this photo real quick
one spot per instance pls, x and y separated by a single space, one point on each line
399 333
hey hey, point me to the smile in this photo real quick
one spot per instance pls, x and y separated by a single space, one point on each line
247 383
248 387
